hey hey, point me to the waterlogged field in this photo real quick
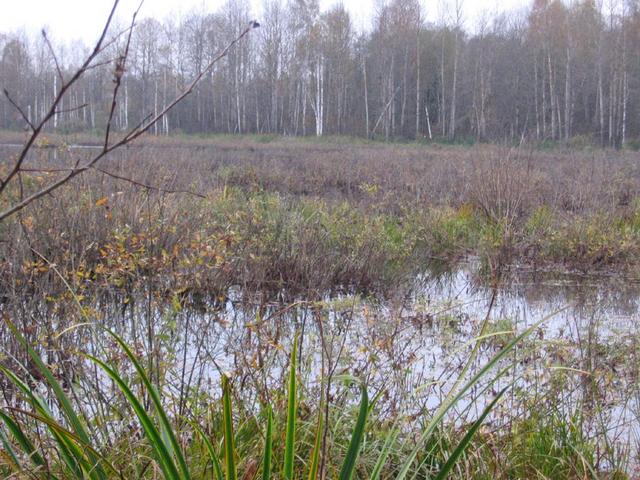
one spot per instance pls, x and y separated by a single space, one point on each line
402 271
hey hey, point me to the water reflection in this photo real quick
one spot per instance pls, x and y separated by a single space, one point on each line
411 348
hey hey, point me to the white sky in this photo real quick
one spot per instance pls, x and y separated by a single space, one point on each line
68 20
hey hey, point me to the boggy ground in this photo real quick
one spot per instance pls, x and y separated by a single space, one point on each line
301 228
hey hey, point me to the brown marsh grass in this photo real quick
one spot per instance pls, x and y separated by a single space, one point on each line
302 223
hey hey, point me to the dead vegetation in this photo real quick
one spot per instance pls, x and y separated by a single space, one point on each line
305 217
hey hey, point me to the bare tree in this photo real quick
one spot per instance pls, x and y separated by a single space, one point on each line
558 71
456 57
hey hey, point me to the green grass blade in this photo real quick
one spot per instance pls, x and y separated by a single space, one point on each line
22 440
215 460
70 447
466 440
291 415
11 458
65 404
153 435
477 394
167 428
450 402
268 446
72 443
73 456
315 457
229 441
384 454
73 463
349 465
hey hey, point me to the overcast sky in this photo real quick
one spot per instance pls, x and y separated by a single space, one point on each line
67 20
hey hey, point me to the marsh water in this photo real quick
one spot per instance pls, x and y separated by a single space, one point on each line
580 359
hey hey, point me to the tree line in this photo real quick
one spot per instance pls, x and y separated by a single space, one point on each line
552 73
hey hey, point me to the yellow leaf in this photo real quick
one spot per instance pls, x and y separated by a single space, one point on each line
102 201
28 223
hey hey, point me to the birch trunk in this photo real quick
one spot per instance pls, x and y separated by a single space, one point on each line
443 107
366 97
404 89
552 98
625 90
418 85
535 97
319 96
567 97
600 103
426 111
55 91
452 128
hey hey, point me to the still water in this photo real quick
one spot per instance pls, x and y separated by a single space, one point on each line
581 357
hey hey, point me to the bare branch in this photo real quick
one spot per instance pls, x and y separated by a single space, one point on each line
128 138
72 109
384 110
54 106
17 107
115 38
120 68
98 48
135 133
147 186
101 64
141 122
132 181
53 54
46 170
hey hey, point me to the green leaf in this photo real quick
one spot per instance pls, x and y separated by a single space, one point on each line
22 440
453 398
96 471
349 465
217 468
464 443
315 457
229 443
167 428
291 415
74 460
153 435
11 458
72 444
384 454
268 446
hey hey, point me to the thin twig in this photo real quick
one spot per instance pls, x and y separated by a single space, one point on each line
132 181
53 54
115 38
72 109
132 135
17 107
146 185
50 113
128 138
120 68
102 63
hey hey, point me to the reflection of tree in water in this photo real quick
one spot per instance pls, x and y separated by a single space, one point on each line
546 290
